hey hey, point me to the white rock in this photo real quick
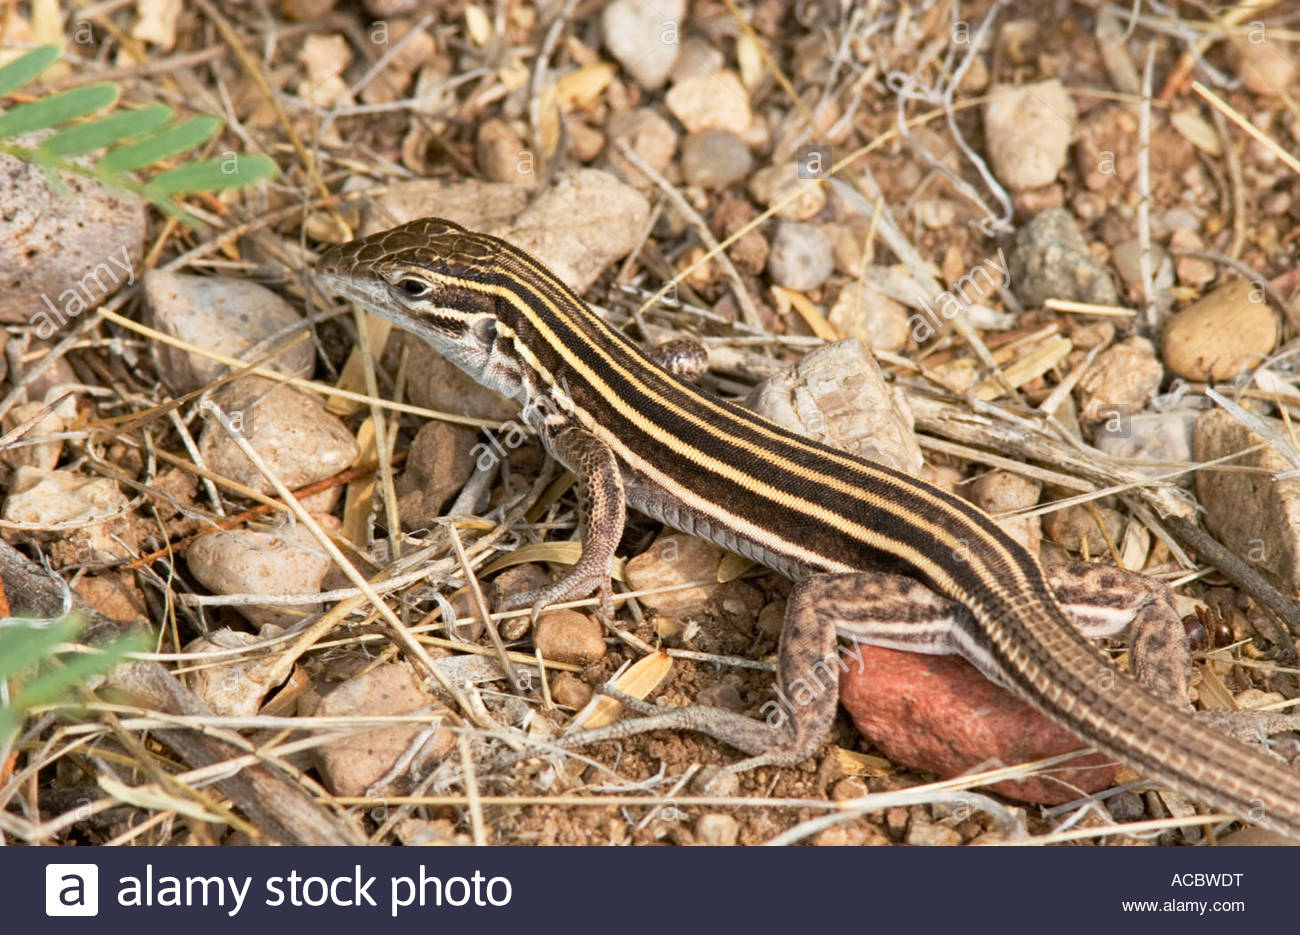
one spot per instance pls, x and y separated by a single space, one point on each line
287 560
580 225
221 314
1027 130
716 101
40 454
52 498
63 251
837 395
351 764
644 37
301 442
801 257
861 311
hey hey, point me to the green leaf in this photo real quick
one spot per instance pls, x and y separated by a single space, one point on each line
24 644
177 138
210 175
23 69
27 642
96 134
56 109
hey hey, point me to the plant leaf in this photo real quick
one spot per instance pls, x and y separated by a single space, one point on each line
214 174
22 70
27 642
96 134
56 109
30 641
177 138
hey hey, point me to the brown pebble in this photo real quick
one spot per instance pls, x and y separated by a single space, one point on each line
569 691
568 636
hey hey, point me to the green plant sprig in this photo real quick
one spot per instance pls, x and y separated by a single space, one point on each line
135 139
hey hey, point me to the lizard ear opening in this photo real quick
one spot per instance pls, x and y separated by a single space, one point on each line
485 330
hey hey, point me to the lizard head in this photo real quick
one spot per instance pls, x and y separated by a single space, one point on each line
438 281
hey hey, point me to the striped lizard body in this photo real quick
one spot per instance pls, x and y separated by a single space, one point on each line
637 436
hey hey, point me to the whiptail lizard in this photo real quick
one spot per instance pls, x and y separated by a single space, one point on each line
637 436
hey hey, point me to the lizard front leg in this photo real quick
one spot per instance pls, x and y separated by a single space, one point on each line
602 512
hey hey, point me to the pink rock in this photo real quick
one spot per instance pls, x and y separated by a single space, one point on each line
940 715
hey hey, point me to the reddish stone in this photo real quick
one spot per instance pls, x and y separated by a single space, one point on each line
940 715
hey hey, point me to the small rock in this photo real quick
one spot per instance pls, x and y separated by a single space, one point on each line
715 159
1266 68
31 450
568 636
441 459
1120 381
801 256
643 37
580 225
774 184
1075 528
940 715
749 253
850 836
1108 147
1191 270
1126 806
1028 130
299 440
861 311
1220 334
386 9
837 395
1126 257
935 213
55 498
1252 514
233 688
648 135
850 787
585 141
476 204
714 829
716 101
1051 260
350 765
287 560
323 58
113 595
569 691
697 58
928 834
501 153
721 695
64 248
419 832
676 558
395 79
218 313
1005 492
1149 436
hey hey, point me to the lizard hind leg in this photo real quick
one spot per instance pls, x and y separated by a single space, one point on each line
794 723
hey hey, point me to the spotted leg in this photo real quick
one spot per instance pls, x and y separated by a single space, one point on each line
602 511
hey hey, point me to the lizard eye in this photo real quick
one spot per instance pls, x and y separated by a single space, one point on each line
413 287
